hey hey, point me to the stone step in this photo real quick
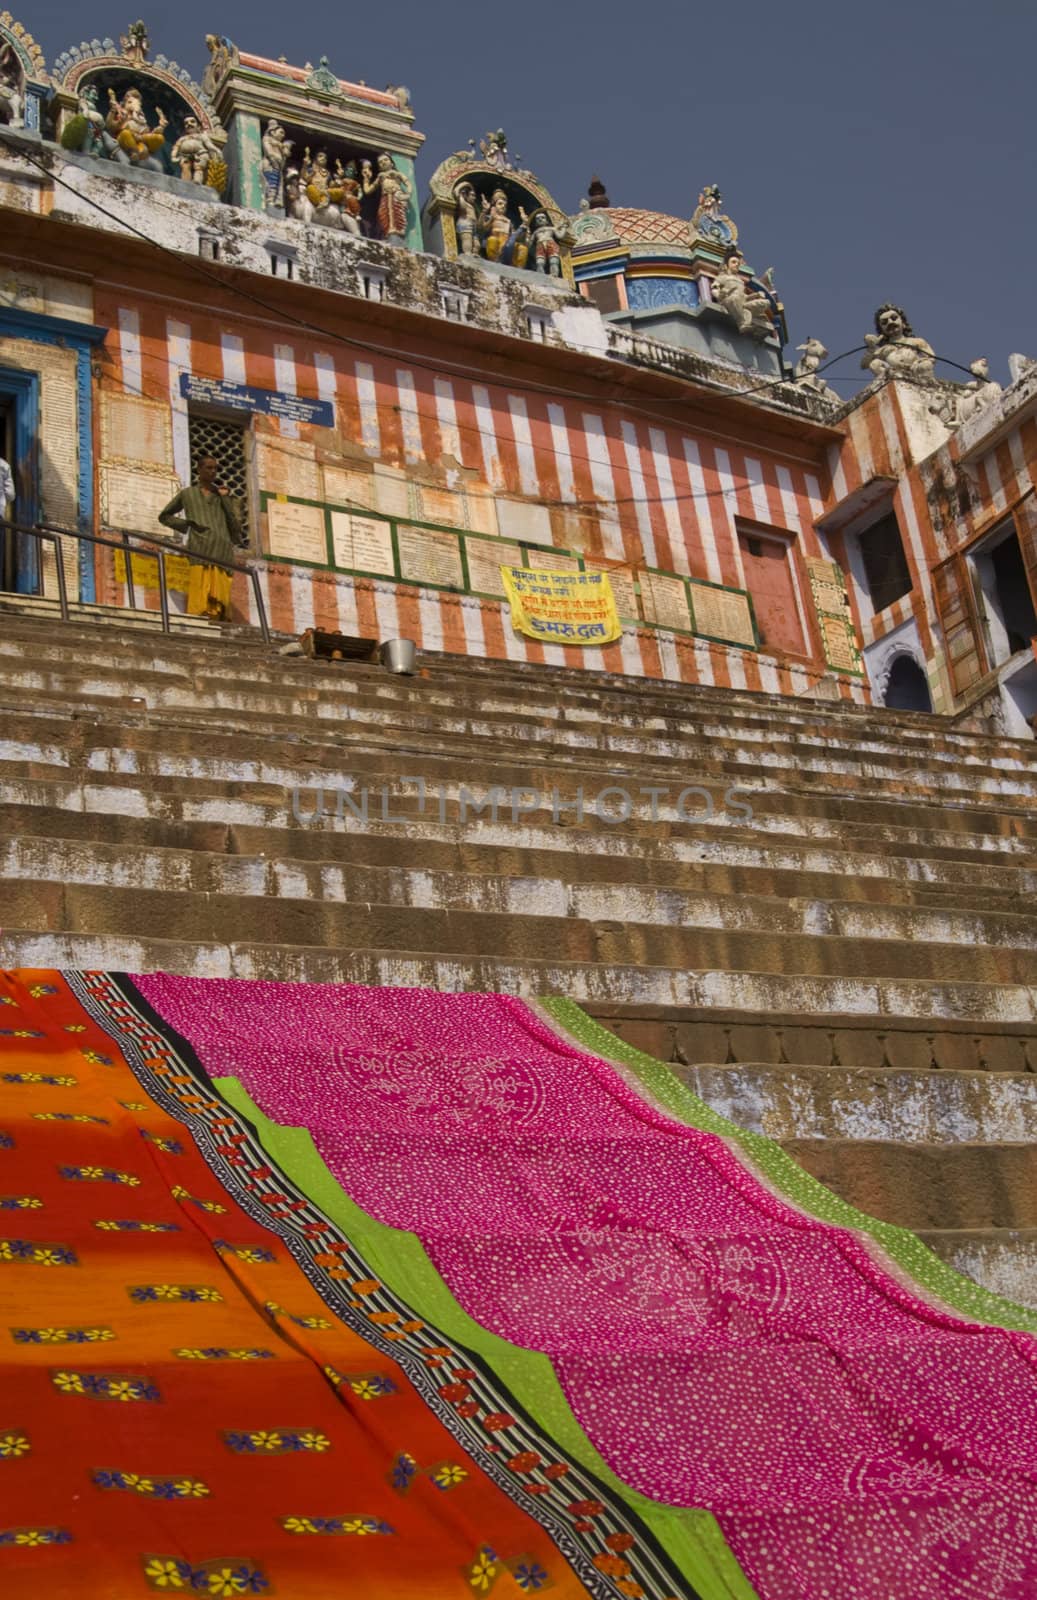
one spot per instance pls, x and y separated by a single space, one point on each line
589 983
1002 1259
781 1040
201 917
924 1107
934 1186
118 866
809 765
695 858
389 797
596 690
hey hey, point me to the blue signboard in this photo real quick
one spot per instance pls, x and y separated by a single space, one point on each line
239 397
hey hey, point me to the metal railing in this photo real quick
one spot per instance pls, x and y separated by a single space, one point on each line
121 540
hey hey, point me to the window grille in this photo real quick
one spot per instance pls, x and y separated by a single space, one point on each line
226 442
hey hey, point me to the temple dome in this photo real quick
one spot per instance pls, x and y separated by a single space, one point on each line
634 226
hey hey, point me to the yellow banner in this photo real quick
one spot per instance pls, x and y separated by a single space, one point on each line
562 607
145 571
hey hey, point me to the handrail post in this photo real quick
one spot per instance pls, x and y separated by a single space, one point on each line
260 607
59 570
163 591
130 595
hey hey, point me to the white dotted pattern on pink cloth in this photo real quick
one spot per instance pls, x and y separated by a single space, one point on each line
719 1348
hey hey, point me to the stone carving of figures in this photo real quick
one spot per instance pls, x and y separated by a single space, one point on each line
276 150
467 219
12 101
494 149
222 54
494 224
393 190
895 351
749 309
979 394
136 144
709 222
193 152
547 242
806 368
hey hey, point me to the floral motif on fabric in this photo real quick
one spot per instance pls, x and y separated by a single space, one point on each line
190 1293
99 1175
276 1441
62 1335
132 1225
105 1386
13 1444
33 1538
152 1486
214 1352
219 1577
29 1253
352 1523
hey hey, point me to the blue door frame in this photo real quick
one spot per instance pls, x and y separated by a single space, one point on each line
82 337
23 388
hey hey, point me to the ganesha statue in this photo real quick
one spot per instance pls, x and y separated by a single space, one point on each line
131 139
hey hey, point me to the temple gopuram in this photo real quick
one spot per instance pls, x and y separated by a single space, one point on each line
517 868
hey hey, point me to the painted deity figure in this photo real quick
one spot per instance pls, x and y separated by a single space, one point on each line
323 193
276 150
393 190
348 185
494 224
193 152
136 143
749 309
547 241
895 351
467 219
94 133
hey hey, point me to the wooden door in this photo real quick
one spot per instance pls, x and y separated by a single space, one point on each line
768 578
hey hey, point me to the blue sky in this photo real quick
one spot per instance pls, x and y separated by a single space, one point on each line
866 152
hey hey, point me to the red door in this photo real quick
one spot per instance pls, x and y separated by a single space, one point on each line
768 578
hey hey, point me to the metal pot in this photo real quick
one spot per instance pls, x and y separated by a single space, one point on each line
400 655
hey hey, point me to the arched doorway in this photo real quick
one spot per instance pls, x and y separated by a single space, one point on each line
907 688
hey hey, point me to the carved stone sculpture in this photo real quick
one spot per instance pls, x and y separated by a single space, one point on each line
194 152
12 99
467 219
276 150
393 190
749 309
131 140
709 221
348 185
895 351
223 54
979 394
806 369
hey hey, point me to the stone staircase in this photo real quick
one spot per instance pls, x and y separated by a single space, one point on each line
843 954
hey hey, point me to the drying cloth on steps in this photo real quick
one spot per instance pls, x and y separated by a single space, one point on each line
719 1347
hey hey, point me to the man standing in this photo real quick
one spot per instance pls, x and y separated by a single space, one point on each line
7 494
7 537
212 521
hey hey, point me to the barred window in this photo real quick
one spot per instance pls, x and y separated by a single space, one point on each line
226 442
